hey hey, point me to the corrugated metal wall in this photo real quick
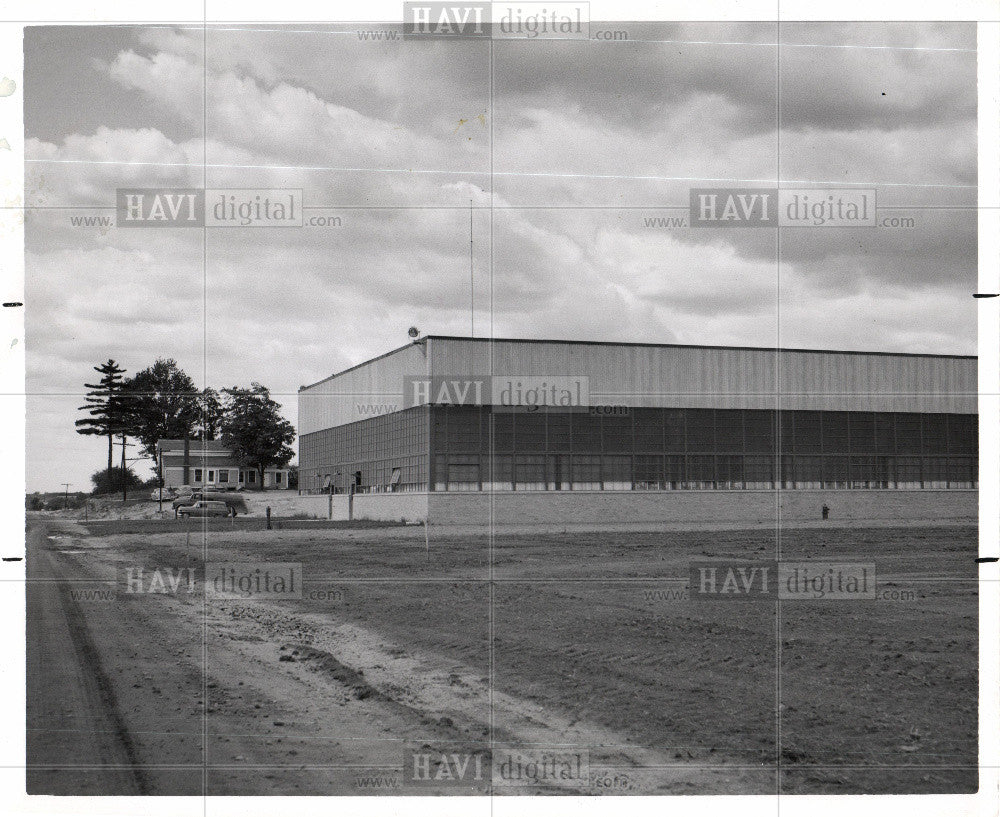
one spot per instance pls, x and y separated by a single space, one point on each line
661 376
699 377
370 390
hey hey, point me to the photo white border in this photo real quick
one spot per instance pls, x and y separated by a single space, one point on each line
12 408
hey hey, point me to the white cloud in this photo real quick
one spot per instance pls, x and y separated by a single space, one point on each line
288 307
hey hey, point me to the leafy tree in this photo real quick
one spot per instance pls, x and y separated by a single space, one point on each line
104 405
255 431
162 404
110 481
211 416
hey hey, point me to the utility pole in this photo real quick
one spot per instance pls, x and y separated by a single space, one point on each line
125 468
472 280
66 498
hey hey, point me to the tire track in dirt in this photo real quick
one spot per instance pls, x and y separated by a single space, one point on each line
430 700
90 660
456 699
116 746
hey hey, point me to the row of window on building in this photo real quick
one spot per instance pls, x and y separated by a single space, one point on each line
399 474
477 448
651 472
224 476
398 434
461 429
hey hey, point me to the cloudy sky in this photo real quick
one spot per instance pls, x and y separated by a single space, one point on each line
576 144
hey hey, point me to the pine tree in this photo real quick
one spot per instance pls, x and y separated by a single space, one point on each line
104 405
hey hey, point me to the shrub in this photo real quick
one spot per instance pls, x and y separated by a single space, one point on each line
110 481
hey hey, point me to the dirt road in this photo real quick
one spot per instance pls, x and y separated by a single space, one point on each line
396 656
167 694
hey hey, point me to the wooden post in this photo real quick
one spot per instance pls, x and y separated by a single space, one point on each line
124 481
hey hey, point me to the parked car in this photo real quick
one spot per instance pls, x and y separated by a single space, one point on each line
204 508
235 502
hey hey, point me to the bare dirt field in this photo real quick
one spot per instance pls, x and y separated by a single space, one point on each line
470 649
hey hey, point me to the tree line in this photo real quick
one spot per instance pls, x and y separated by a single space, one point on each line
161 402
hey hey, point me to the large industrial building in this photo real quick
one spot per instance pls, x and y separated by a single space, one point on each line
564 430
